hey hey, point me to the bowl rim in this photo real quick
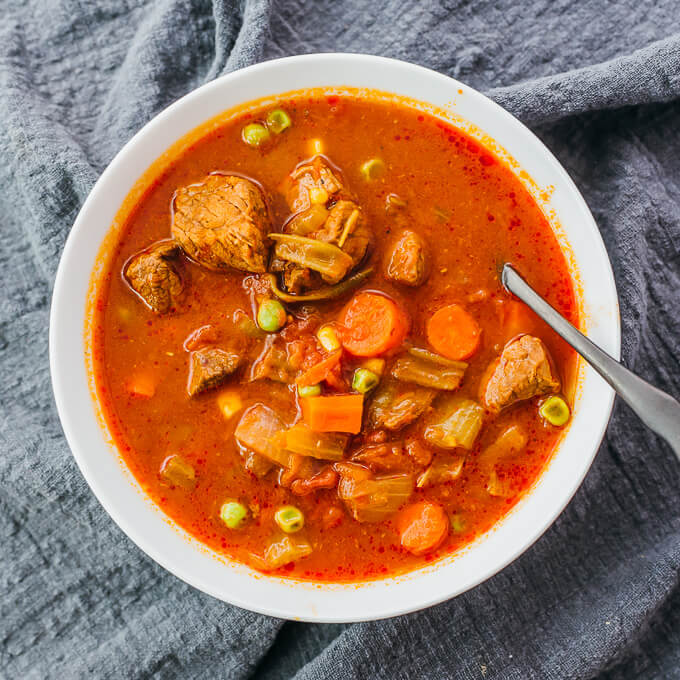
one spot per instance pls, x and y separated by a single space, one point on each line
347 602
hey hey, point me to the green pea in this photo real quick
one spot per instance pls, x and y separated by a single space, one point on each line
255 134
309 390
233 514
457 522
555 411
372 169
364 380
278 120
271 315
289 518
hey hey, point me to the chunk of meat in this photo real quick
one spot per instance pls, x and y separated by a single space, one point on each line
393 409
274 362
346 228
210 367
523 370
222 223
408 260
153 277
337 219
315 174
326 478
385 457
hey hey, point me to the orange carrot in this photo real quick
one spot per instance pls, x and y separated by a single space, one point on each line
334 414
372 324
142 385
422 526
320 371
453 332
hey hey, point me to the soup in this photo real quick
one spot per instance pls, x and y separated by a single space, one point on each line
303 350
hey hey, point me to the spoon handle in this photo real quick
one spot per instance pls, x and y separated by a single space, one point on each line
658 410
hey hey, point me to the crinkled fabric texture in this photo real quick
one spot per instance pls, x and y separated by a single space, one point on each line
598 595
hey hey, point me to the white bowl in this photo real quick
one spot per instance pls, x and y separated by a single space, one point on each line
181 554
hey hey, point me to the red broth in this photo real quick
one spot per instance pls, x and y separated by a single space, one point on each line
472 213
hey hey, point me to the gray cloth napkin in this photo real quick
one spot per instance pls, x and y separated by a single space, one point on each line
598 595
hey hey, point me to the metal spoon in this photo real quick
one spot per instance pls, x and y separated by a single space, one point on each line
657 410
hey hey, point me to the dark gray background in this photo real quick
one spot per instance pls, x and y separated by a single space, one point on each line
597 595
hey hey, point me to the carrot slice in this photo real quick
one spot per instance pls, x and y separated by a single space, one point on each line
453 332
320 371
372 324
334 414
422 527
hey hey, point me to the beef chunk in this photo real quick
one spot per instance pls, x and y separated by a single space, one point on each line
274 362
316 174
408 260
338 220
210 367
223 223
394 407
154 278
385 457
523 370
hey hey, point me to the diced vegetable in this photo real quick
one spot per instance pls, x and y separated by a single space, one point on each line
246 325
255 134
142 385
271 315
325 258
372 324
318 195
429 370
499 487
316 146
368 498
453 332
373 168
233 514
309 390
510 442
349 227
256 429
376 366
320 370
289 549
335 413
278 121
441 472
289 518
328 338
422 527
323 293
229 403
456 424
175 470
308 221
458 522
257 464
302 440
555 410
364 380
